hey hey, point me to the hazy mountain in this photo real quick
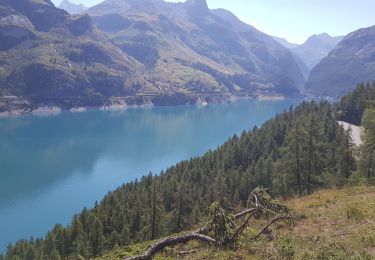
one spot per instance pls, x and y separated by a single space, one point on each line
311 52
284 42
351 62
316 48
72 8
301 64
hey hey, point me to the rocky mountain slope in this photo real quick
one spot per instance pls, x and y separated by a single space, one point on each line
197 49
72 8
143 51
316 48
351 62
312 51
47 53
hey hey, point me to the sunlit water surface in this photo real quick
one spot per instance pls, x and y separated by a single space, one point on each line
53 166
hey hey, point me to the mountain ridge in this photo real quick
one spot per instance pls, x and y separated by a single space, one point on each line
312 51
315 48
350 63
139 52
193 14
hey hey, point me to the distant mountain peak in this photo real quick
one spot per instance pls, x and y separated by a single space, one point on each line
323 37
197 7
285 42
71 7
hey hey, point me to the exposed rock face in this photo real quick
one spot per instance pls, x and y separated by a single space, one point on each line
351 62
197 8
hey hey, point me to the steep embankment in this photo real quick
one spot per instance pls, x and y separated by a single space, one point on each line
336 224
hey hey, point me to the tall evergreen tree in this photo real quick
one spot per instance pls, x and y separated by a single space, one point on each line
367 163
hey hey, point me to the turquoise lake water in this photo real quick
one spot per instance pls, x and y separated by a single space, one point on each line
53 166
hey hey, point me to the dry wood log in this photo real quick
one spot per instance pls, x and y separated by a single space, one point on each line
172 241
181 253
244 213
198 235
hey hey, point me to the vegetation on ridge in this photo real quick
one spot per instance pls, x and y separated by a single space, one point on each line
335 224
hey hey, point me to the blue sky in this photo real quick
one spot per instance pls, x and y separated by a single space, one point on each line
294 20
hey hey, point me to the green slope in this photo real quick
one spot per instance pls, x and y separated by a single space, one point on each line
336 224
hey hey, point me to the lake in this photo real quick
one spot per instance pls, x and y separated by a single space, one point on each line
51 167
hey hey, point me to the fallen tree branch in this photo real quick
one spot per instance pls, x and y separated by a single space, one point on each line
200 235
181 253
172 241
197 235
278 218
243 226
244 213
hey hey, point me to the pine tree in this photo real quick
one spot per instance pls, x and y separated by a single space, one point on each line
367 164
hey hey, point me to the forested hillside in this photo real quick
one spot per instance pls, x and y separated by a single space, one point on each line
337 224
296 153
352 106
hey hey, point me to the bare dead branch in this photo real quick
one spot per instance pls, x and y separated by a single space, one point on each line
245 212
172 241
244 225
199 235
181 253
278 218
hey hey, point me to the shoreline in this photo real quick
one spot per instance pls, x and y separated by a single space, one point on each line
20 106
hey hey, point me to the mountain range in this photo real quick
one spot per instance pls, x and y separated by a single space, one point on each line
316 48
147 50
134 52
350 63
72 8
312 51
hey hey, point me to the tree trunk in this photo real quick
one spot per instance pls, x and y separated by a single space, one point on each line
179 212
310 156
369 170
298 169
153 213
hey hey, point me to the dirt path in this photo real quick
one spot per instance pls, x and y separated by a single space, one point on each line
356 132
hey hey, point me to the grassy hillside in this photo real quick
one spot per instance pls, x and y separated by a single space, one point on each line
336 224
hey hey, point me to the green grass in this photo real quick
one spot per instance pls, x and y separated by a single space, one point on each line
336 224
